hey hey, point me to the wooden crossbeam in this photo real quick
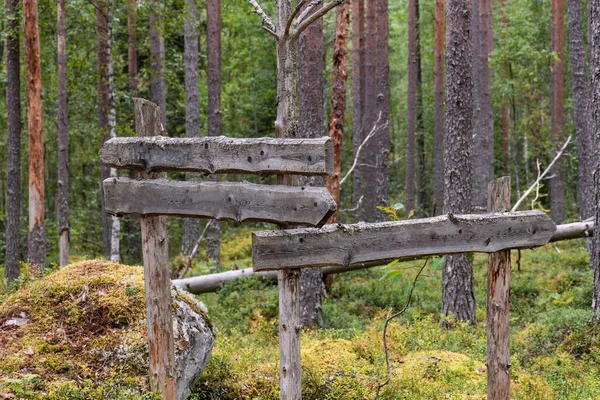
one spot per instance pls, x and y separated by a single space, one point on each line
219 200
264 156
350 245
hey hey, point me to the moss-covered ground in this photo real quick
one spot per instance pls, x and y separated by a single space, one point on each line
553 343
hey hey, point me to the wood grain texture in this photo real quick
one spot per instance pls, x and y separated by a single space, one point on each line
155 251
219 200
346 245
498 303
220 154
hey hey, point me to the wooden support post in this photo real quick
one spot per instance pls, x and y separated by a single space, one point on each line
498 303
290 371
156 274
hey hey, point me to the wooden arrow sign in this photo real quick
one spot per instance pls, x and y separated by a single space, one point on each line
348 245
264 156
219 200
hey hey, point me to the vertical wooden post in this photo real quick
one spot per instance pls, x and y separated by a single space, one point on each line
290 371
498 303
156 273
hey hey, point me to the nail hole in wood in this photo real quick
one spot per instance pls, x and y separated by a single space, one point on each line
262 153
249 159
206 145
315 204
309 158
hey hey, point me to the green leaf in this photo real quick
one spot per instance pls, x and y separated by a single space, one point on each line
398 206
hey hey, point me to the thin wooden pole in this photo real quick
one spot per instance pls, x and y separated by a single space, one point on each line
290 371
498 303
156 273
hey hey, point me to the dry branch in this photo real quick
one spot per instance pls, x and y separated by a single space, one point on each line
266 19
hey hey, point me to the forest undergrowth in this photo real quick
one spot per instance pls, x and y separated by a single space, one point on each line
553 341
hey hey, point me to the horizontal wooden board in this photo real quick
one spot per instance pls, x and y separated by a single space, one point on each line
220 154
348 245
219 200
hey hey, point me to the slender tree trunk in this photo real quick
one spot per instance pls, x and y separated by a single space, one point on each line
191 226
457 291
438 138
62 206
13 110
557 190
37 235
369 159
422 181
382 139
411 103
103 106
213 12
483 130
311 125
338 101
593 7
505 139
158 93
580 110
134 228
115 255
358 90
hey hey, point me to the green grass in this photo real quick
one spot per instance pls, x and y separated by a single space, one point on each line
553 343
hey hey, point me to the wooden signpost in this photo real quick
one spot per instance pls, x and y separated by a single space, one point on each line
345 247
153 197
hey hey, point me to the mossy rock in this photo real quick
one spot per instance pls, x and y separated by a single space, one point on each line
80 332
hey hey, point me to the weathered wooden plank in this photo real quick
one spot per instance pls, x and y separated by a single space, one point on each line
157 276
290 371
498 304
347 245
220 154
219 200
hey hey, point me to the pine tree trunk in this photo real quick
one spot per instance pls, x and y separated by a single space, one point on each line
505 139
213 12
13 111
311 95
133 227
37 235
103 106
580 110
593 7
158 93
438 136
411 103
358 91
382 139
369 159
191 226
457 291
338 101
62 206
422 181
557 190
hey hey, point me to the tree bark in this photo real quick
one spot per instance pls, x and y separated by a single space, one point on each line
311 121
580 110
13 111
191 226
338 101
382 138
62 206
213 12
557 190
483 131
37 235
369 159
158 93
103 106
593 7
438 136
457 291
358 90
411 103
505 139
133 227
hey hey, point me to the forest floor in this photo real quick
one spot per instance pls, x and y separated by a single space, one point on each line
553 343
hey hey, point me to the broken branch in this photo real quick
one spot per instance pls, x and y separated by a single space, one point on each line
315 16
267 21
